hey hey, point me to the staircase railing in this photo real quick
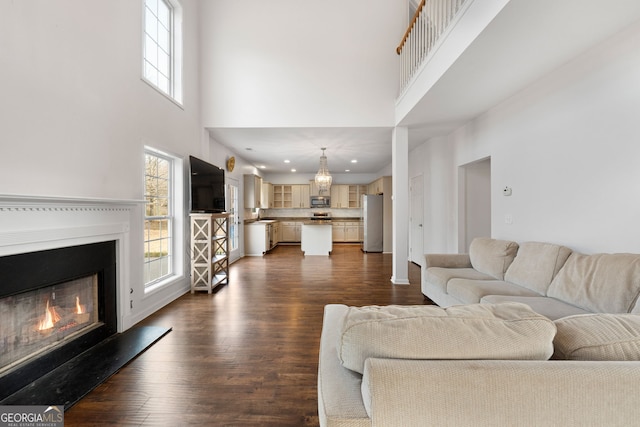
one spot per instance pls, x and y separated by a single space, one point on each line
429 21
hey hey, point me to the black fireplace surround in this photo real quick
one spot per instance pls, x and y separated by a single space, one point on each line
34 270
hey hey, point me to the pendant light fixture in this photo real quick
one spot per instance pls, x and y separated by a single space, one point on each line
323 178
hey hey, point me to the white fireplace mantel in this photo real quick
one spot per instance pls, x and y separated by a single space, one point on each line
36 223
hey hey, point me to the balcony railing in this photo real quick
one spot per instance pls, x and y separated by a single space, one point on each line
431 19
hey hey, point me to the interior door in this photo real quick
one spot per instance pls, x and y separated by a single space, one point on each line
416 230
476 214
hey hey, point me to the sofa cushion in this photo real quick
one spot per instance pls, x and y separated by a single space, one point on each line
492 256
536 264
440 276
447 260
477 331
471 291
549 307
598 337
607 283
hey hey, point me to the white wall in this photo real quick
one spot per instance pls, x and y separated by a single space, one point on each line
289 63
75 114
568 146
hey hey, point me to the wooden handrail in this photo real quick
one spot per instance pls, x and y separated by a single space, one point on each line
410 27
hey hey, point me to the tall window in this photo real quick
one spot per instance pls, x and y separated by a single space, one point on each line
160 222
162 46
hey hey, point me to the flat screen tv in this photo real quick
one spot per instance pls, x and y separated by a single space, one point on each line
207 186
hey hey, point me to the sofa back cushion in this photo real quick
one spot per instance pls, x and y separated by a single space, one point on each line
492 256
536 264
475 331
606 283
598 337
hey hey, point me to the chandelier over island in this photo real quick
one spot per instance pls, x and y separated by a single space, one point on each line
323 178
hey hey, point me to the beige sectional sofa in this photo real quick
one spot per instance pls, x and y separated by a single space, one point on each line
552 279
528 334
476 365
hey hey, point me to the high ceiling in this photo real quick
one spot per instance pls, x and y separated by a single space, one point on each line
523 43
270 147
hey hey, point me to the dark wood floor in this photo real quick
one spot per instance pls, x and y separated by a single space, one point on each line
248 354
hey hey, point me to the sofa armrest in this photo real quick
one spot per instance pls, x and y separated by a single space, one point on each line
495 392
447 260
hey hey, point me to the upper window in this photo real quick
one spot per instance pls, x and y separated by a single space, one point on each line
162 46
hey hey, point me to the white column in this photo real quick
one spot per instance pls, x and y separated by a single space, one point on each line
400 185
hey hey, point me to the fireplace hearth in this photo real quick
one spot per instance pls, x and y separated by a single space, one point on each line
54 305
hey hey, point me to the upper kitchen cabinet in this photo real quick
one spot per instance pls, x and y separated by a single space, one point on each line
291 196
252 191
282 196
380 186
300 196
339 196
347 196
313 188
355 193
267 195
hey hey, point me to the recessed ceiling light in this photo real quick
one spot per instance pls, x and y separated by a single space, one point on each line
262 167
293 170
287 161
347 170
354 161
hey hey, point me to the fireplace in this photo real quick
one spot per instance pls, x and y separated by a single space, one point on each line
54 305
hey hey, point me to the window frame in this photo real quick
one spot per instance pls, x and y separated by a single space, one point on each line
175 215
175 93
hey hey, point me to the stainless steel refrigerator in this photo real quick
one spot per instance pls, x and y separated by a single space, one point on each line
372 222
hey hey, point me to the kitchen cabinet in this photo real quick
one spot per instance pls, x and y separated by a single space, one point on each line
300 196
259 237
339 196
376 186
347 196
380 186
276 233
355 191
346 231
337 231
282 196
252 191
316 239
290 196
267 195
291 231
352 231
313 188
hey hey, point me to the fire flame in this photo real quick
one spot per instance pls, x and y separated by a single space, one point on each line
51 316
79 307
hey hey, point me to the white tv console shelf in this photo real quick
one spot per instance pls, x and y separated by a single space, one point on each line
209 251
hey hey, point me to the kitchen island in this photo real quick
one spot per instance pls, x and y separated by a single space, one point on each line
316 237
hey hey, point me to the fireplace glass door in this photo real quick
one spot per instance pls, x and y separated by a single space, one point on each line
35 322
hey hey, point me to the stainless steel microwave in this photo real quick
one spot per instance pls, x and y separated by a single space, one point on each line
320 201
